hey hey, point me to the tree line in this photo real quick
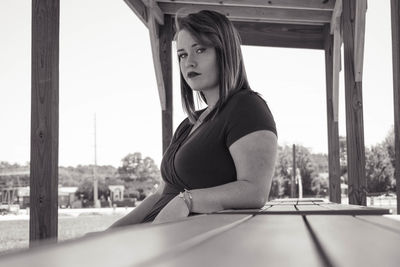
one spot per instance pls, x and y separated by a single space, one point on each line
379 169
140 175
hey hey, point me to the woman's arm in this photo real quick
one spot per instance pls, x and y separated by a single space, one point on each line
254 156
137 214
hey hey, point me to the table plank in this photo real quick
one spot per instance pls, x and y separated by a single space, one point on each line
244 211
125 247
326 209
241 211
281 208
349 241
261 241
282 203
356 209
382 221
311 208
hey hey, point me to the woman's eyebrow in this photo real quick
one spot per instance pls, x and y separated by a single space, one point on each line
181 49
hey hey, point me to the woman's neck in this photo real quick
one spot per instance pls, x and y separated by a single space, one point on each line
211 96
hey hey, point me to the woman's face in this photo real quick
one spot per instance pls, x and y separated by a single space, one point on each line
198 63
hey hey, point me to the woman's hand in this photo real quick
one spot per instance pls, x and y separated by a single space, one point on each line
176 209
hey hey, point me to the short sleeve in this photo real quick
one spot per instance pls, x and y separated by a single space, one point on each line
179 130
248 113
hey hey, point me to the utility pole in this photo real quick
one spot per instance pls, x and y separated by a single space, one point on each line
95 186
293 184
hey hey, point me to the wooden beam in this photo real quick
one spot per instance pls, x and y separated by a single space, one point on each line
153 7
354 112
166 35
281 35
44 121
332 123
139 9
395 11
155 48
336 14
337 48
259 14
361 8
290 4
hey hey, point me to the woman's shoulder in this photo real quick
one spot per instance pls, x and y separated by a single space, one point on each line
244 98
181 127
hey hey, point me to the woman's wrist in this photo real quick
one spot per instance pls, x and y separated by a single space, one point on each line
186 196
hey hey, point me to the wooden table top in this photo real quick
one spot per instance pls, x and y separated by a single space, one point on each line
283 233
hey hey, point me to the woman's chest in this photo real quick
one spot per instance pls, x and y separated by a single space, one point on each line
203 159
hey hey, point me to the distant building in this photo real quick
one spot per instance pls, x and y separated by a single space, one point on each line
116 192
20 196
66 196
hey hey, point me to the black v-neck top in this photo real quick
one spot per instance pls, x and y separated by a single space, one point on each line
202 159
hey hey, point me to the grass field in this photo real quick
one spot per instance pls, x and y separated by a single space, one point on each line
14 234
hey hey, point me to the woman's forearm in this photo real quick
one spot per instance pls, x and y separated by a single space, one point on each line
138 214
240 194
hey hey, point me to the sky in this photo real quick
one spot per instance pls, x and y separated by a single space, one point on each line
106 69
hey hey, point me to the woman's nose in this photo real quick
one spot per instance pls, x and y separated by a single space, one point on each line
190 61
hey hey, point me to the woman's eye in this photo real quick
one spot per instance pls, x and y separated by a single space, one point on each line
181 56
200 50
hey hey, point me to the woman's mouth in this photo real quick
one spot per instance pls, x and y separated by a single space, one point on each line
193 74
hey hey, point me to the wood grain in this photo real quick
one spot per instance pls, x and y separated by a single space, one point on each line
351 242
385 222
261 241
354 112
280 35
129 246
139 9
291 4
333 127
166 33
240 13
44 121
359 36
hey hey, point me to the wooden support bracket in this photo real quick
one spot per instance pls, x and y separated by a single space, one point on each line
155 10
139 9
336 31
337 44
155 48
361 8
336 15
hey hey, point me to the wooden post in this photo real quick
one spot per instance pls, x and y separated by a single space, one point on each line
166 34
395 10
354 112
44 121
333 128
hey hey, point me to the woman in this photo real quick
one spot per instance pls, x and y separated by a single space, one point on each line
221 157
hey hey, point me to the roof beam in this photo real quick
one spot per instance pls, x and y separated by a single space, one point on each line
361 9
260 14
281 35
290 4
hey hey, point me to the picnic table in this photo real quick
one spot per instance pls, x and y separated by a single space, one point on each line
294 232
